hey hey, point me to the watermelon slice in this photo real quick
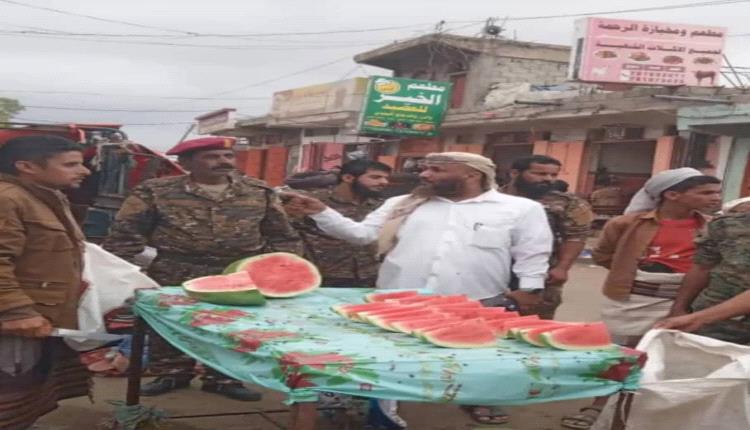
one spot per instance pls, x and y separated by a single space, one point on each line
384 321
409 325
468 334
235 289
581 337
433 300
381 297
533 335
279 274
499 326
349 311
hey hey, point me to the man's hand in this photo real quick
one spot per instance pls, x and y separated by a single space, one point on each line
525 300
689 322
37 326
557 276
300 204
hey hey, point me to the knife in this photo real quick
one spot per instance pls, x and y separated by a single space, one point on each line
78 334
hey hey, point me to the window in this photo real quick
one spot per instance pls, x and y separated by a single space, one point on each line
459 87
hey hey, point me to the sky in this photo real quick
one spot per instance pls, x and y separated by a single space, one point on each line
165 62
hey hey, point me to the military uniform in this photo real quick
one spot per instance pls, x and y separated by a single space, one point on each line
570 220
340 263
198 233
726 247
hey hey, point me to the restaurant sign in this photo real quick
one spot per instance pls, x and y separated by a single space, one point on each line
404 107
647 53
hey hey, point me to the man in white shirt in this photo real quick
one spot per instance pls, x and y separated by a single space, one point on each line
454 235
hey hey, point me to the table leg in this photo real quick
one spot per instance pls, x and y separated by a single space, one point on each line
622 410
303 416
135 370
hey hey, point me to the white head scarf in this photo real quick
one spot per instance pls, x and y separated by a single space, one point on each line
728 206
647 198
475 161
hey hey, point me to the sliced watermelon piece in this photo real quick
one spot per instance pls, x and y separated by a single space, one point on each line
236 289
468 334
533 335
434 300
350 311
279 274
438 324
408 325
381 297
499 326
581 337
383 321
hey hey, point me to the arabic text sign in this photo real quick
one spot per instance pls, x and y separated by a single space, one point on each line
406 107
647 53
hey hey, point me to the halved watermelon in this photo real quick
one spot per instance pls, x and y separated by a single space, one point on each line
581 337
468 334
279 274
235 289
533 335
381 297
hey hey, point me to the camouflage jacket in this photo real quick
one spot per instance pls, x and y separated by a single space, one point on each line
196 233
725 246
337 260
569 217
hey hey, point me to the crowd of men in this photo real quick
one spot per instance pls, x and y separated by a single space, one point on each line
456 233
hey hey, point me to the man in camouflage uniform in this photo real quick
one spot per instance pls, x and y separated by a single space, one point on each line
569 217
199 224
361 183
721 271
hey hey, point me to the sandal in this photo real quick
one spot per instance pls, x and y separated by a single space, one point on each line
492 415
583 420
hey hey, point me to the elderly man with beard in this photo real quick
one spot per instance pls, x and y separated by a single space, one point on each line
456 234
358 192
570 218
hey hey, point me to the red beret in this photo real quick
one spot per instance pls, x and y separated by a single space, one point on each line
202 144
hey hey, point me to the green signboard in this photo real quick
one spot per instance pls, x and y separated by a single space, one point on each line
404 107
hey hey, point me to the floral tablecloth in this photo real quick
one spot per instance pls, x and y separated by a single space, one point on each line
300 347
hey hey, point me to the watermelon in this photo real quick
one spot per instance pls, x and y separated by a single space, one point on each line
467 334
432 300
408 325
350 311
381 297
279 274
235 289
386 322
533 335
581 337
499 326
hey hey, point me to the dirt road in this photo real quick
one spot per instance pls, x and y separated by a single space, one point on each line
581 303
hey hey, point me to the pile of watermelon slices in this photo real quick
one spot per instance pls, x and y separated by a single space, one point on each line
458 322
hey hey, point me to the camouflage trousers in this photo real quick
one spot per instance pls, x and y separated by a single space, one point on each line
166 360
735 331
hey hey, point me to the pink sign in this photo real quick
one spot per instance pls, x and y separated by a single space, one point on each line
647 53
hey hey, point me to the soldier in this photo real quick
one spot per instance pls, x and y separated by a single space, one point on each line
40 277
569 217
720 272
198 224
361 183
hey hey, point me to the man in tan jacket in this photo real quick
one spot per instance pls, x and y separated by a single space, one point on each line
40 277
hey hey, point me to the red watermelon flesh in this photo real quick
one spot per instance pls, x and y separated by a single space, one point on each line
468 334
413 300
408 325
438 324
233 289
499 325
509 328
533 335
364 315
280 274
581 337
381 297
350 310
387 322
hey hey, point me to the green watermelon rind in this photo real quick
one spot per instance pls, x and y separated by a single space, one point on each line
249 297
237 266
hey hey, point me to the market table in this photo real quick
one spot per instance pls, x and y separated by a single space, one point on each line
301 347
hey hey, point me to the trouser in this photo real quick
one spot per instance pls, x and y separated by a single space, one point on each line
551 300
166 360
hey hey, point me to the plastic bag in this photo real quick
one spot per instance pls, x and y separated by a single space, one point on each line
690 382
111 281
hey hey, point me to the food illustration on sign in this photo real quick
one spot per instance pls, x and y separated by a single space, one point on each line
422 127
639 56
672 59
703 60
376 123
606 54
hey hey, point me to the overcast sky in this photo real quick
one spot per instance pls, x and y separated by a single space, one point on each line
147 73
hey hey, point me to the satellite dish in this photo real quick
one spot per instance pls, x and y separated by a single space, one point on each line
493 30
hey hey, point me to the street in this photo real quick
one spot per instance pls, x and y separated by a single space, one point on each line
581 303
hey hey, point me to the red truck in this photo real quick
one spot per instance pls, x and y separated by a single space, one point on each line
117 165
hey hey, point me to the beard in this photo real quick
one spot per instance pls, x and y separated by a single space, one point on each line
365 192
444 188
532 190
